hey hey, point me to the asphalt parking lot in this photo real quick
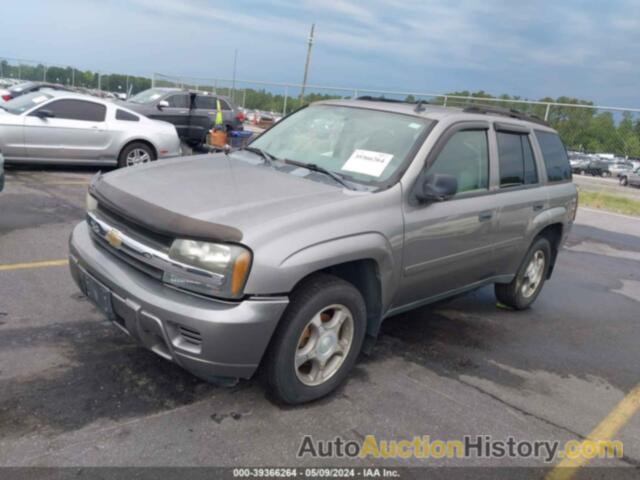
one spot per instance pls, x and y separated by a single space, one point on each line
75 391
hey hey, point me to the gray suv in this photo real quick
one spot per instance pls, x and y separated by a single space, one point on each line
192 113
290 253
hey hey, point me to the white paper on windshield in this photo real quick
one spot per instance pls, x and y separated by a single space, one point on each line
367 162
39 99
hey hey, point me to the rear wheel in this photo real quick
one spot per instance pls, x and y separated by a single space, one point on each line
525 287
136 153
318 340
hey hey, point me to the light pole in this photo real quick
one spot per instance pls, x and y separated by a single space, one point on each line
306 65
233 86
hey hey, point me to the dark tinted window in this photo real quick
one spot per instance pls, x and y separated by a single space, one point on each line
77 110
129 117
224 105
517 164
205 102
555 156
465 156
179 101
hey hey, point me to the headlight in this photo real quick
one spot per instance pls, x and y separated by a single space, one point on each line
92 203
228 266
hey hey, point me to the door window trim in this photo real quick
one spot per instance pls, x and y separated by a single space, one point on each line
513 188
450 131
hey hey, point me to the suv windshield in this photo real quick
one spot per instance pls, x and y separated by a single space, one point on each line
26 102
148 96
365 146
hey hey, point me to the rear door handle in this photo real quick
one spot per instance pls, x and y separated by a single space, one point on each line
538 206
484 216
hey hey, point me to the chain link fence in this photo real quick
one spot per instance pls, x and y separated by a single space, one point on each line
584 127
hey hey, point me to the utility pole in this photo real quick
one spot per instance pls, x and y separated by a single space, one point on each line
306 65
233 86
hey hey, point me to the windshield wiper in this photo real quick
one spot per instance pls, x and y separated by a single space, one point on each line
268 158
317 168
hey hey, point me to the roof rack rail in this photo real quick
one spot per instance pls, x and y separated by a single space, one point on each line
418 103
507 112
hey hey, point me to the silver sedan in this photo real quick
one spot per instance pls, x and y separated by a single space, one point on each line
51 126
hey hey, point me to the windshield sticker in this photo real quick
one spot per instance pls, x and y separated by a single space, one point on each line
39 99
414 125
367 162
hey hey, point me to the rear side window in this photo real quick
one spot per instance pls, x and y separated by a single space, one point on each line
517 164
466 157
126 116
555 156
77 110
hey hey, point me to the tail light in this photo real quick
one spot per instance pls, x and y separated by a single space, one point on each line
240 116
6 98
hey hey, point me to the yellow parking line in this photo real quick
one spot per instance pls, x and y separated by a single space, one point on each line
605 431
22 266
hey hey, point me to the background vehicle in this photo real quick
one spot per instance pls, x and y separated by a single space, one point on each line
618 168
52 126
1 171
29 87
293 251
596 167
192 113
631 178
579 162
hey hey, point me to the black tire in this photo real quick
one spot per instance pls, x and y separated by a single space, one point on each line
511 294
623 181
122 158
314 294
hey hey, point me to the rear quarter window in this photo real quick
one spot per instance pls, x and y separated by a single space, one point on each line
555 156
126 116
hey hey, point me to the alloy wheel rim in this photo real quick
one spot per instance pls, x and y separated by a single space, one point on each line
324 344
137 156
533 274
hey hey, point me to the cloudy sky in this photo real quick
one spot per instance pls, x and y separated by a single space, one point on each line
587 49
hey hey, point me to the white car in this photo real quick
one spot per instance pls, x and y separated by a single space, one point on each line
51 126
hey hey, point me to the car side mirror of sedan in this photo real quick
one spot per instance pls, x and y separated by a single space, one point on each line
43 114
162 104
436 187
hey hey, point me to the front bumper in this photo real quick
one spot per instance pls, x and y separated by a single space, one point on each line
210 338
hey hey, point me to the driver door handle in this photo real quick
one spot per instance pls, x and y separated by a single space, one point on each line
484 216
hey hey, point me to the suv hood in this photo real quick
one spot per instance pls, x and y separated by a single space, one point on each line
212 197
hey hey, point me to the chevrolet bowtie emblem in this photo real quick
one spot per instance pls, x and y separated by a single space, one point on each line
114 238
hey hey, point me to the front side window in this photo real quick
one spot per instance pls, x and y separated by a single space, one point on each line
555 156
466 157
517 164
77 110
178 101
362 145
205 102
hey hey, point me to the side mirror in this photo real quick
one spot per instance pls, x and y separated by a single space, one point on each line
44 114
436 187
162 104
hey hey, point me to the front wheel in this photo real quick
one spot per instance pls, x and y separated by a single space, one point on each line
525 287
318 340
